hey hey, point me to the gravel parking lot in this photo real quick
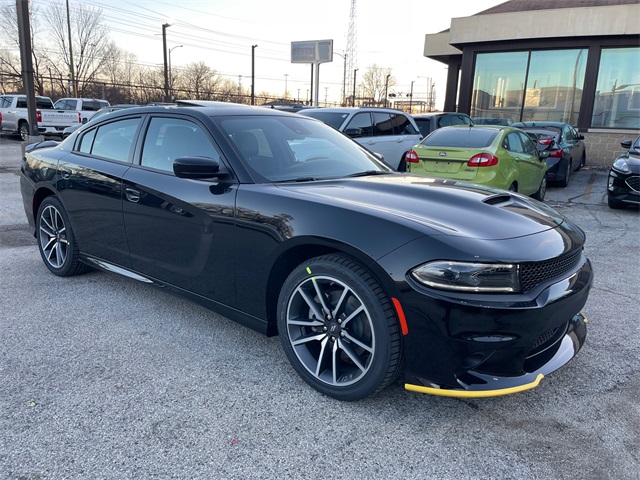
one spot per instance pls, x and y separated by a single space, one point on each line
104 377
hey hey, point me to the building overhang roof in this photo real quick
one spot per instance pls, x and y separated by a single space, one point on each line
598 21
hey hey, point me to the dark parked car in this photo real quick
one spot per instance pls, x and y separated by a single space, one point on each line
428 122
362 271
567 152
624 177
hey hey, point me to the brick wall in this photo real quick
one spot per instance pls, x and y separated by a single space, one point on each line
604 147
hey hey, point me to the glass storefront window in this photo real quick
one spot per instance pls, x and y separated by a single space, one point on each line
549 89
617 100
554 86
498 85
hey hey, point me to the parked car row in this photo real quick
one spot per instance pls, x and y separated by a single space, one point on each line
289 227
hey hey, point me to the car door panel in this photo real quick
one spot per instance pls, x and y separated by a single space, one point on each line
180 231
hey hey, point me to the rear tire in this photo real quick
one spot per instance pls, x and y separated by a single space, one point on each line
338 328
23 131
542 190
567 174
56 241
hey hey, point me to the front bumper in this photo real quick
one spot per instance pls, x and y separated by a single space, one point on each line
624 187
481 385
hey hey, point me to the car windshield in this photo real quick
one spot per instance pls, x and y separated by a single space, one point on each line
333 119
461 137
283 149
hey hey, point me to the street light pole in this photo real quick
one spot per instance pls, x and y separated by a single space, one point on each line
344 78
170 70
353 100
253 74
386 91
166 67
411 97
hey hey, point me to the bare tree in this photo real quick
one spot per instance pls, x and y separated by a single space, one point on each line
90 41
199 81
10 64
375 84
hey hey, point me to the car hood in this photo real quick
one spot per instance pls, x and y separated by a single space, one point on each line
448 206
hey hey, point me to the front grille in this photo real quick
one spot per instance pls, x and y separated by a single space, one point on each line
634 183
534 273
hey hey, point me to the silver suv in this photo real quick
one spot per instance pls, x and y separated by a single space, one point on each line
388 132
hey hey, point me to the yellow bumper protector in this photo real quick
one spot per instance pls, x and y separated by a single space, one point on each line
474 394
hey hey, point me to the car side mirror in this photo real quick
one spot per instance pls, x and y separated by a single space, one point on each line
85 120
196 167
543 154
625 144
353 132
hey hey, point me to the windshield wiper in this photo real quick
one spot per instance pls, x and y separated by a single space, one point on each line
367 173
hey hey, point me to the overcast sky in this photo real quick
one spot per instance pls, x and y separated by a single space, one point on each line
221 32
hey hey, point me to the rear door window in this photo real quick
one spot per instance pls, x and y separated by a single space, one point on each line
403 125
383 124
112 141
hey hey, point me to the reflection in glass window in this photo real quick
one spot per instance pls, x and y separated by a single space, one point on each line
554 86
498 85
617 102
551 91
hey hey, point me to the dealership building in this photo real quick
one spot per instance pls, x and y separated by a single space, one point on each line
573 61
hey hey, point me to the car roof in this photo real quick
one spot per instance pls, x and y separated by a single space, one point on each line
357 109
207 108
436 114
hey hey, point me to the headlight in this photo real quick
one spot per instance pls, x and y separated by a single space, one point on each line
621 165
468 277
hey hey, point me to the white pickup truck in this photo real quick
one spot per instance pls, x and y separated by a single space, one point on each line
14 116
86 106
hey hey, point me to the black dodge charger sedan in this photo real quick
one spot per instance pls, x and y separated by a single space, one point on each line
287 226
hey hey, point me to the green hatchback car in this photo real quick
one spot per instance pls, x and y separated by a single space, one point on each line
498 156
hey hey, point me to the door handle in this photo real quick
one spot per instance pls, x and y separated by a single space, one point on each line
132 195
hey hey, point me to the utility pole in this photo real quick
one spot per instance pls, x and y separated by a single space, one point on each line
353 99
166 66
73 75
24 31
386 91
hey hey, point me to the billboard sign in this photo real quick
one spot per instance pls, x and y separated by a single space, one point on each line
312 51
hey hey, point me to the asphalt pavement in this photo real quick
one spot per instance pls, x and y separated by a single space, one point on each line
104 377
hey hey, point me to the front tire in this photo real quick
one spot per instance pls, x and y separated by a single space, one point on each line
338 328
56 241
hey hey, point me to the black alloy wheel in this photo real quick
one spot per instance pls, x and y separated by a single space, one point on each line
56 241
338 328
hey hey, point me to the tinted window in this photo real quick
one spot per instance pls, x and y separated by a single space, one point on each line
460 137
5 102
362 123
93 105
113 140
21 103
170 138
333 119
424 125
383 124
403 125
